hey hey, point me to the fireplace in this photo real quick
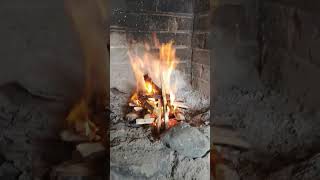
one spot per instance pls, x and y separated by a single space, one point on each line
160 90
199 89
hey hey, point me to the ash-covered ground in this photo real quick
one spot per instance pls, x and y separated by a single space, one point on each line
181 153
284 135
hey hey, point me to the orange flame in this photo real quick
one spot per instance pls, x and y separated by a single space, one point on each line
158 68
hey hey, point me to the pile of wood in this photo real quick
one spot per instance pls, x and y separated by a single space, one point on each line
154 108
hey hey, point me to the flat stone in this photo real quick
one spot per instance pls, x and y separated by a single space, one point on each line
88 149
189 168
306 170
187 141
226 173
8 171
142 165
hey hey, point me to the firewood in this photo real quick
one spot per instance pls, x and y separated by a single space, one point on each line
151 99
156 96
159 116
89 149
149 80
145 121
132 116
164 101
145 103
180 105
138 109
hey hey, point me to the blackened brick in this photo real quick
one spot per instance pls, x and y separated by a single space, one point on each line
201 56
200 40
118 18
201 5
178 38
201 71
177 6
201 23
180 23
141 5
185 68
184 54
229 16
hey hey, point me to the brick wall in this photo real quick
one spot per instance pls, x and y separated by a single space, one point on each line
233 42
137 19
200 64
290 43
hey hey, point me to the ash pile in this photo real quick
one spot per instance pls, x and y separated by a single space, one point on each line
181 152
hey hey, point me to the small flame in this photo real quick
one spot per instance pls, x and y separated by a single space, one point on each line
149 88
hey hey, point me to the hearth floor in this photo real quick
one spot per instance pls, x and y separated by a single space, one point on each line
135 154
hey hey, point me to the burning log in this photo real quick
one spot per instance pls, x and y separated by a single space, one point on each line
155 96
160 111
145 103
164 100
154 86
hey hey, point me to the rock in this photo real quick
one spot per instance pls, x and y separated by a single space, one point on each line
136 157
180 117
229 137
77 170
132 116
89 149
8 171
187 141
142 165
67 135
119 174
2 159
200 119
226 173
188 168
25 176
307 170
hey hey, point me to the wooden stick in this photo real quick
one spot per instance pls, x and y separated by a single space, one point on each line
145 103
138 109
145 121
159 115
155 96
164 97
180 105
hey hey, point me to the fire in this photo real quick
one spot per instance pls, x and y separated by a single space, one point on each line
153 75
158 68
